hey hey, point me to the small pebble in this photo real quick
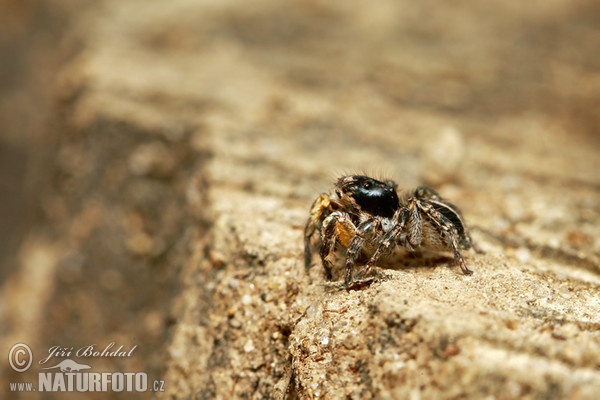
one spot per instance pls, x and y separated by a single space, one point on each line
246 299
523 255
249 346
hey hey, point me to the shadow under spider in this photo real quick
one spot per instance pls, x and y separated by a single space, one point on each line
409 260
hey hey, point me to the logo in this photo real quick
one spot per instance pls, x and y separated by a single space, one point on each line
20 357
69 366
68 375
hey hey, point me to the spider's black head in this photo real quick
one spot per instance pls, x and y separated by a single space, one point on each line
372 196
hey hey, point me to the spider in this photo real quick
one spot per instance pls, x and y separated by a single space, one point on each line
367 217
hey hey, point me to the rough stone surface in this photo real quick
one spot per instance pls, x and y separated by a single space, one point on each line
197 135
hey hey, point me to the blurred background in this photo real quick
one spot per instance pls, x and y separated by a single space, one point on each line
29 48
521 77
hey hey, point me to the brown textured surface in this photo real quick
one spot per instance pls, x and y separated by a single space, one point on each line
194 137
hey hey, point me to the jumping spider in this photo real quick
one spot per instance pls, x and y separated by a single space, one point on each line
366 217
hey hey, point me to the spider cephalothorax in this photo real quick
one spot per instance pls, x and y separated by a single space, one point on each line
367 217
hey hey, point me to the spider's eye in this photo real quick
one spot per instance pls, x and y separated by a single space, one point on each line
373 196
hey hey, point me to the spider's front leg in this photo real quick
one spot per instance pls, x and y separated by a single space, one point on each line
337 228
355 247
320 207
391 238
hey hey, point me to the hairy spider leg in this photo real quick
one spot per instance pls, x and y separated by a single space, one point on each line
337 228
400 217
320 206
446 230
414 222
356 245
